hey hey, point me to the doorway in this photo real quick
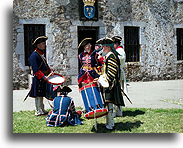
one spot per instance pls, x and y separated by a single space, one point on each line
87 32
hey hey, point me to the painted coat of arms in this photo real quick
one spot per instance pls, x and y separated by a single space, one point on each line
89 8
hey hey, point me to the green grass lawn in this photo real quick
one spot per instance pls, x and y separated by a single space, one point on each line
133 121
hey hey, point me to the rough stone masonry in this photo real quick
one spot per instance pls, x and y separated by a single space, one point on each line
157 19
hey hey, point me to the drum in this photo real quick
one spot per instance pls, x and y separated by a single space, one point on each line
93 101
103 81
56 79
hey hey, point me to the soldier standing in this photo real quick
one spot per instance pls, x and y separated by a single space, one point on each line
40 70
112 94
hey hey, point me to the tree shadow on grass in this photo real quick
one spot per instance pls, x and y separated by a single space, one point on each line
127 126
133 113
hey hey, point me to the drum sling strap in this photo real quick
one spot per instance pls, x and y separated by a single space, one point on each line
43 60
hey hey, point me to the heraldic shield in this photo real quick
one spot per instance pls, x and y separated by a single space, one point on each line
89 11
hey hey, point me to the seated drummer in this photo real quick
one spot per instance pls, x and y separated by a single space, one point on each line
63 112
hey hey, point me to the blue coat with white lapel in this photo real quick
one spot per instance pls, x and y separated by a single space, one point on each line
63 113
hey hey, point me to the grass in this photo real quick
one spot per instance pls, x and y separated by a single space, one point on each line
133 121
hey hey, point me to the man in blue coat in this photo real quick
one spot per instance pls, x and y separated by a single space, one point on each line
63 112
40 70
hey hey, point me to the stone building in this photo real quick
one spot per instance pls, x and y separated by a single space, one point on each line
152 32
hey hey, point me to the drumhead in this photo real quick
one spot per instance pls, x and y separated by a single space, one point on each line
103 81
56 79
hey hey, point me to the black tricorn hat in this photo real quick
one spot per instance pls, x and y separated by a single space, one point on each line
39 39
117 38
108 42
64 89
105 40
84 42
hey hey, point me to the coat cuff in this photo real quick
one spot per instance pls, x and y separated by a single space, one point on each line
39 74
101 60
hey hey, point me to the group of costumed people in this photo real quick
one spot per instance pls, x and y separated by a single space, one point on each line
101 81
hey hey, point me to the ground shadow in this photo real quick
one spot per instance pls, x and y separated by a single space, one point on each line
133 113
127 126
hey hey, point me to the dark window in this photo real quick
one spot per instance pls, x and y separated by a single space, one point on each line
179 43
31 31
131 43
82 17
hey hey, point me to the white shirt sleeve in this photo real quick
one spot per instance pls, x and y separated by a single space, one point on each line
122 56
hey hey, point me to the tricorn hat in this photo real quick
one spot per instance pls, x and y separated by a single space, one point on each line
84 42
39 39
64 89
117 38
105 41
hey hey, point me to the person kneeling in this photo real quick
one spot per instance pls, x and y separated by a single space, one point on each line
63 112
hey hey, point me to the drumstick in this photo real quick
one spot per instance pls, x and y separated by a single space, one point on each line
50 74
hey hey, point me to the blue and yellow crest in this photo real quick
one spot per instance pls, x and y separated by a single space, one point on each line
89 8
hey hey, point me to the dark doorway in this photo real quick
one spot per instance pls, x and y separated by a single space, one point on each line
87 32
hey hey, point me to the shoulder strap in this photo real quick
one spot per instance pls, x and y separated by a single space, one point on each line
43 60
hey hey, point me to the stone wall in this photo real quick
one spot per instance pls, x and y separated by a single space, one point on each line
157 20
52 13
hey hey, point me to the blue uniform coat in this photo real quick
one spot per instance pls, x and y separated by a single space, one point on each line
63 113
39 88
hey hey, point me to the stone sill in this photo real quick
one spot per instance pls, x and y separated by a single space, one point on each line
179 62
133 63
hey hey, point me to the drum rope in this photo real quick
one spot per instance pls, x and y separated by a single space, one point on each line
87 97
101 95
95 98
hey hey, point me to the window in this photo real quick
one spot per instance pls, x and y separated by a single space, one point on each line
131 43
31 31
179 33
